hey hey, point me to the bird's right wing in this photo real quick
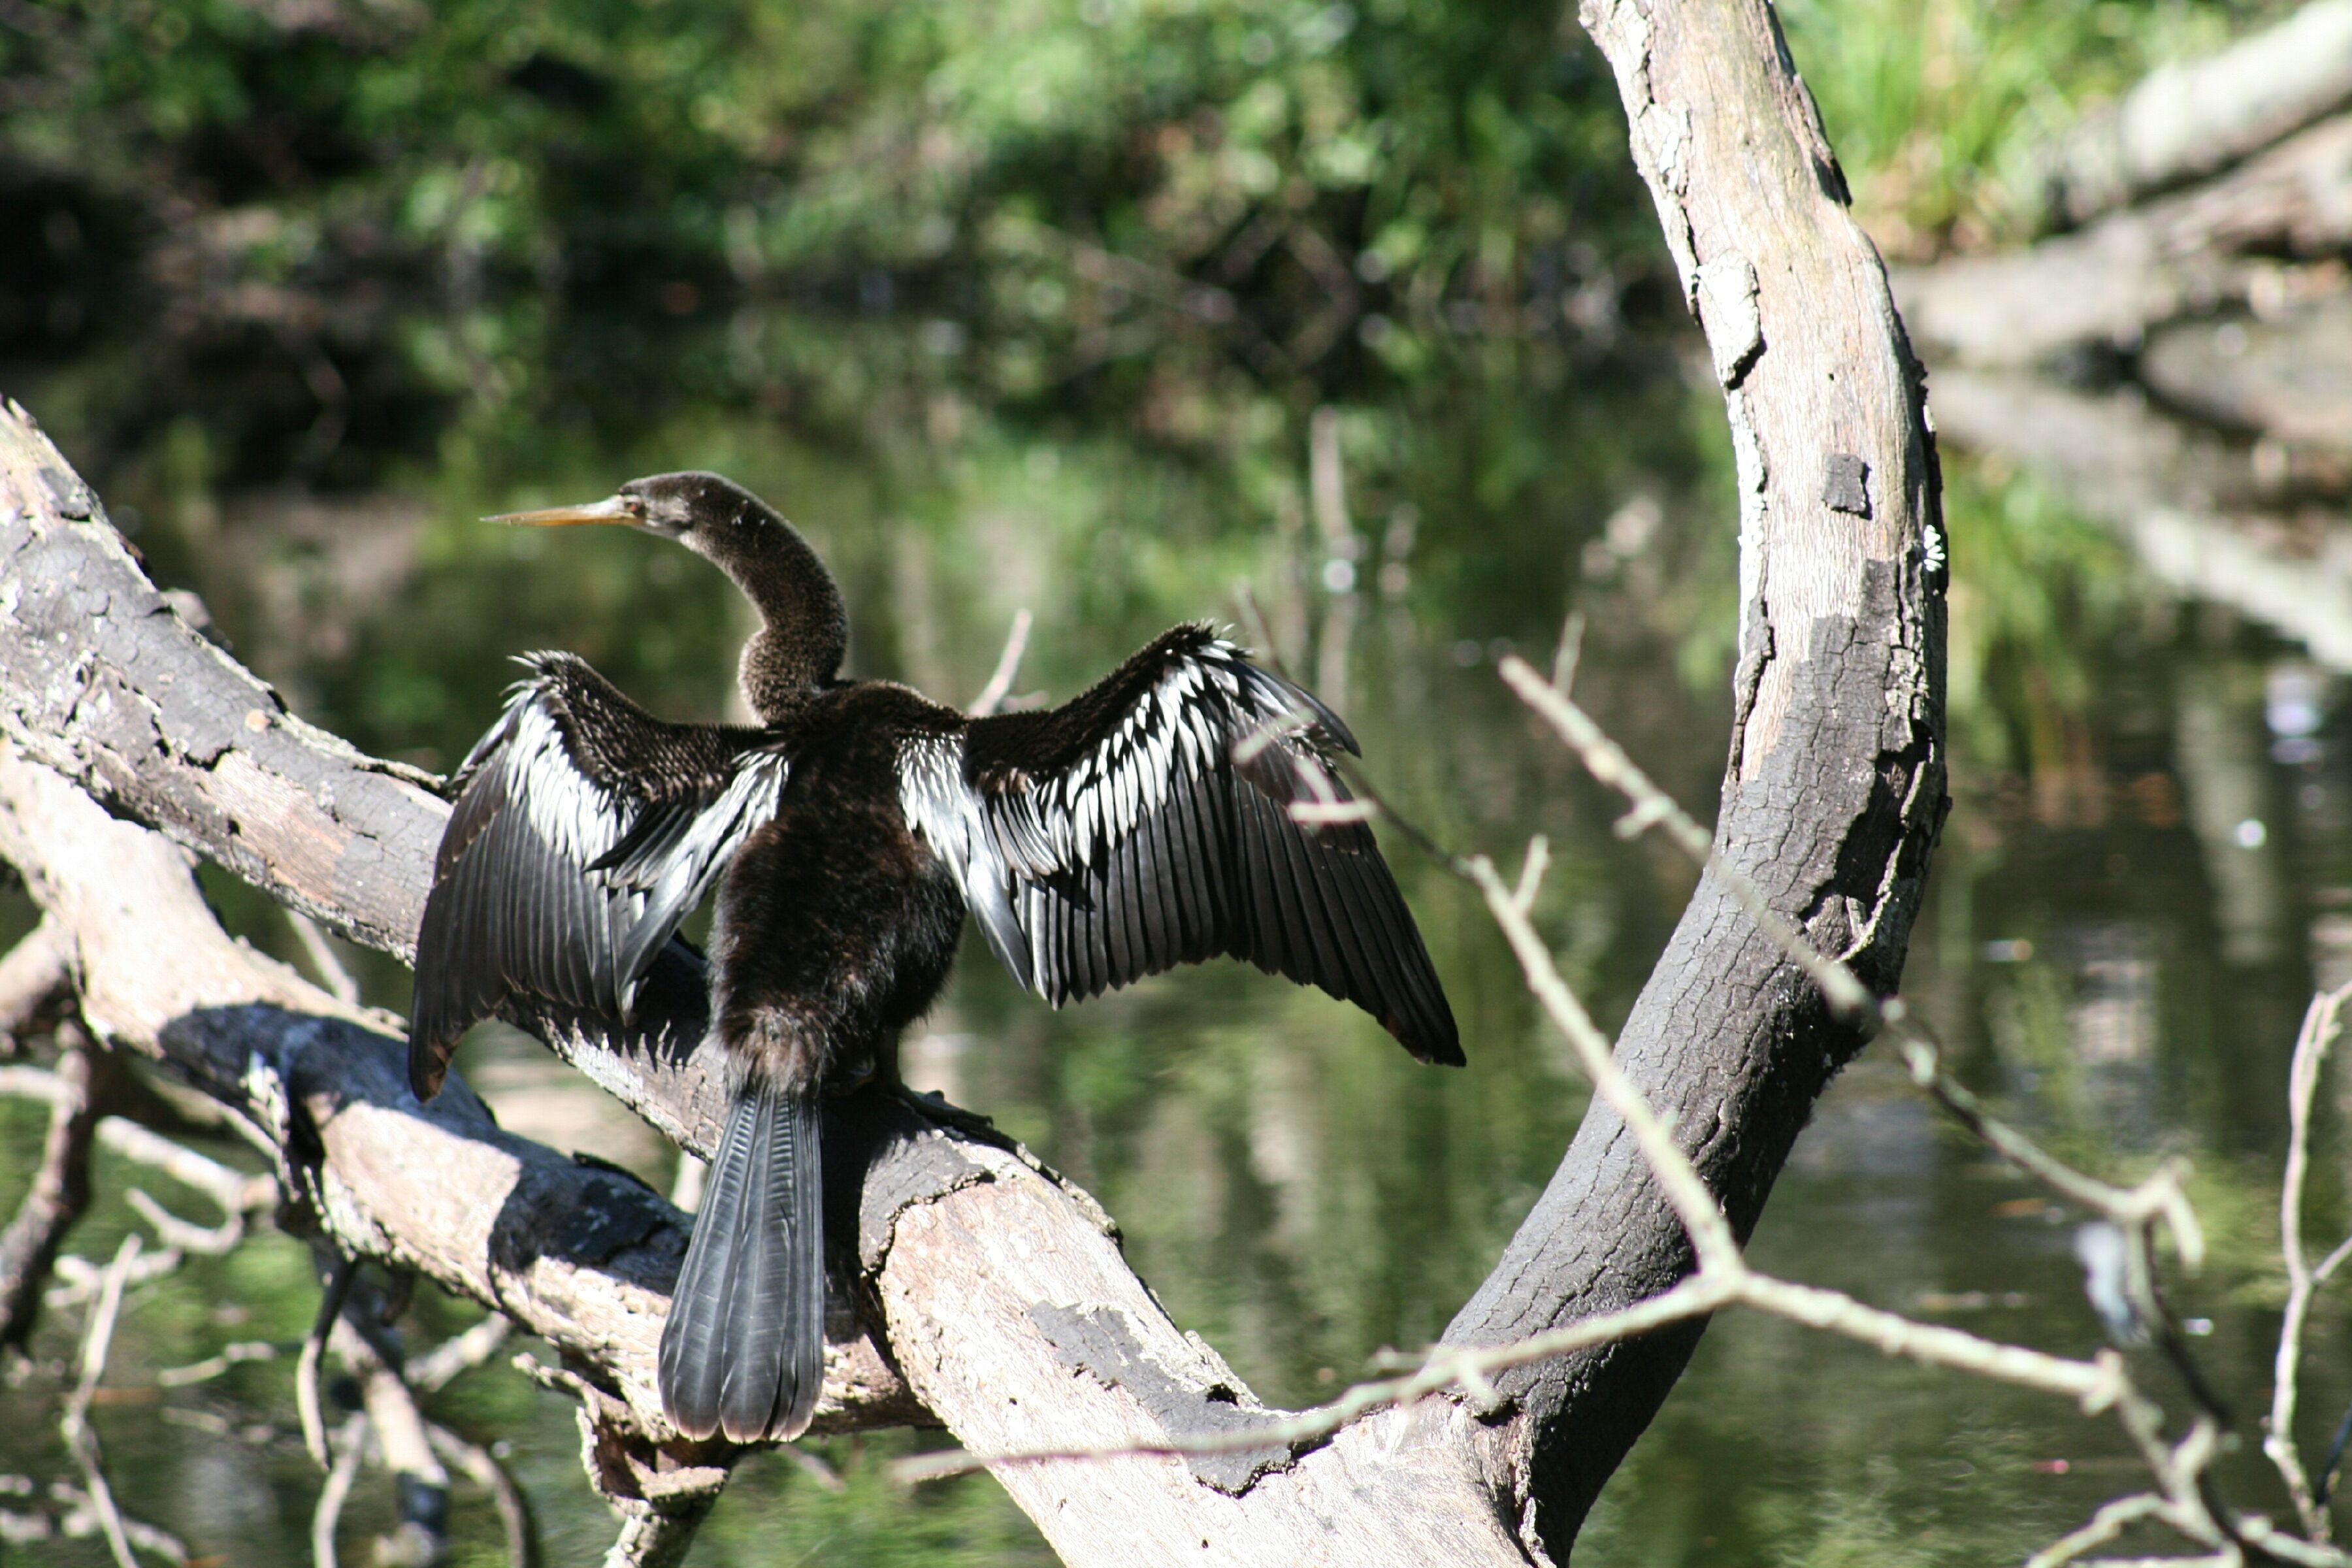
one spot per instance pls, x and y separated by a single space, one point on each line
585 831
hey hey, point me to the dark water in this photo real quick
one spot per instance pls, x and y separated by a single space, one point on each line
2148 866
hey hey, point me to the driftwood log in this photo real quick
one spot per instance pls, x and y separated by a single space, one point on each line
987 1294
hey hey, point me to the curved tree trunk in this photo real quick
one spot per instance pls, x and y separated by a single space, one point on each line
1834 788
990 1295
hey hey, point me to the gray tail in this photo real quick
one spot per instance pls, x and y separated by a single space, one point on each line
743 1352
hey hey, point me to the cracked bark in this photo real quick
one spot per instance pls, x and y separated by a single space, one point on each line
1834 787
993 1290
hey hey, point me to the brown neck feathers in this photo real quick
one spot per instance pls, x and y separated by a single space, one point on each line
806 625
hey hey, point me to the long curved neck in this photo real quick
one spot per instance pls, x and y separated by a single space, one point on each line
805 626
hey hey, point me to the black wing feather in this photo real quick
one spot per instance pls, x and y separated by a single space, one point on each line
586 830
1119 835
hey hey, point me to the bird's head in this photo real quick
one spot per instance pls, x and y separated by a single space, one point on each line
698 510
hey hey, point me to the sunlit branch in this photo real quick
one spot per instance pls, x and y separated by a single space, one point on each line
2321 1025
2192 1502
2111 1521
98 1339
330 969
1008 666
1443 1369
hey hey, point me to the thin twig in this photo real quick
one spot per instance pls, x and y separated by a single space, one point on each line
1008 665
1571 652
1653 806
2321 1024
1446 1368
2194 1506
235 1191
2111 1521
209 1241
463 1353
351 1447
306 1405
20 1082
81 1441
59 1191
324 961
482 1468
213 1366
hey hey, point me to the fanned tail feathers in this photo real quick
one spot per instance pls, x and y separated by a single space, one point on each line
743 1352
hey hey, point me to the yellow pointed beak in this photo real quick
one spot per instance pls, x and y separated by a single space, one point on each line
613 508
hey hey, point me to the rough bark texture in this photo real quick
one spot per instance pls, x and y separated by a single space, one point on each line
1835 783
1008 1312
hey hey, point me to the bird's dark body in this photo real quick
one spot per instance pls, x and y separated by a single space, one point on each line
836 925
1183 808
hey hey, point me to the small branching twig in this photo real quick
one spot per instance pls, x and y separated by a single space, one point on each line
81 1441
323 959
307 1369
2321 1025
213 1366
1008 665
436 1368
2193 1505
482 1468
60 1189
351 1441
2111 1519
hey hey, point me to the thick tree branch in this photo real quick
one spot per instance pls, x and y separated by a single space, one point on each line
1000 1291
1836 783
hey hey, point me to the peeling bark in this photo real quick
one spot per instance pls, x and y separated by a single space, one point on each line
1834 787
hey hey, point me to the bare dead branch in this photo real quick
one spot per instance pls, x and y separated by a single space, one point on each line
2321 1025
308 1368
323 962
35 978
351 1442
482 1468
60 1189
1008 666
98 1339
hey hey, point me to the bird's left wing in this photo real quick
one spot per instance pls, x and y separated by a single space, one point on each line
585 830
1150 823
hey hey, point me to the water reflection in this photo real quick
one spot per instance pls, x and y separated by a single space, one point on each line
2149 863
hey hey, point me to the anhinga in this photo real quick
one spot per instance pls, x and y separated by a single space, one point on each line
1142 826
